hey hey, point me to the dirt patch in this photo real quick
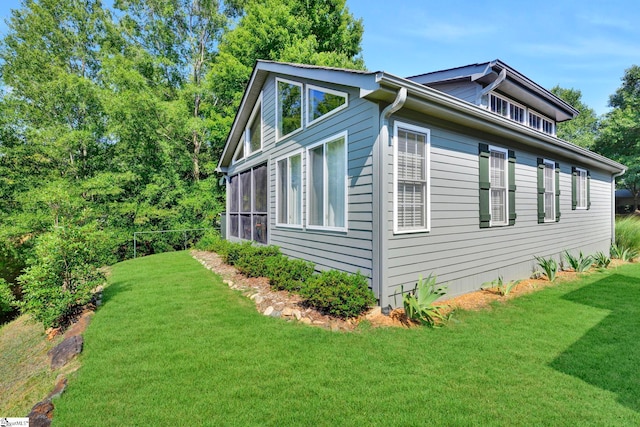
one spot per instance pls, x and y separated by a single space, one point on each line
260 292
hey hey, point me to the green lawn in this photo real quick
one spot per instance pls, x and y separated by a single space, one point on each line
172 345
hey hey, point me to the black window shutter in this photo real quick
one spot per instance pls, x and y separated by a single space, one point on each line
512 187
557 191
588 190
574 188
485 185
540 190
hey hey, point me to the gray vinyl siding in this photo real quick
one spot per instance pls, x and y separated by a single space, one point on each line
349 251
466 90
464 255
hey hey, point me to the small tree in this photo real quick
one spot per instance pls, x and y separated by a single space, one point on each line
59 280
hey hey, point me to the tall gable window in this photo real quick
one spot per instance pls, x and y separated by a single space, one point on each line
327 184
289 190
253 132
580 188
248 205
289 106
548 191
322 102
497 167
411 178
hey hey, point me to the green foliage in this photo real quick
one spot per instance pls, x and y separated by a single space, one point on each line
251 261
582 129
419 304
59 280
625 254
579 263
7 299
549 267
287 274
628 232
504 288
338 293
601 260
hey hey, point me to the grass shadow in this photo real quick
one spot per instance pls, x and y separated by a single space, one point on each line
608 355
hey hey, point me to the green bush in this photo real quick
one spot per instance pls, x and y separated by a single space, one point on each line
338 293
59 280
7 299
212 241
251 260
628 232
288 274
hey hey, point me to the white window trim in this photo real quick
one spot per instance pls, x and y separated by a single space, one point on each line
279 159
330 113
506 186
427 132
527 113
553 190
241 145
246 134
277 129
345 135
586 195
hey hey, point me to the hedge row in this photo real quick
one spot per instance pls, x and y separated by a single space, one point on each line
332 292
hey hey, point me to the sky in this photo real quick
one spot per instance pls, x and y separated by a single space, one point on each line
585 45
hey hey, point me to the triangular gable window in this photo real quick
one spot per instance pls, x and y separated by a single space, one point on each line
323 102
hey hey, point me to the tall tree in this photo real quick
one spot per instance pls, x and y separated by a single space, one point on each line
619 136
581 130
318 32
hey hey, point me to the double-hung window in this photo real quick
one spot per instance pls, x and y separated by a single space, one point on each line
327 184
580 188
549 191
289 107
499 185
411 178
289 190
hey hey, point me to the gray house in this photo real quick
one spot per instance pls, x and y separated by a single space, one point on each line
456 173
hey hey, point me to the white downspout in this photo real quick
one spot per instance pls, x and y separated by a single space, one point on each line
613 206
496 82
384 142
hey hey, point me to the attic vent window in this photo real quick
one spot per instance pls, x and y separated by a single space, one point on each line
517 113
289 102
323 102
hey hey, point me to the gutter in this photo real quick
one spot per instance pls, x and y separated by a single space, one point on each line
613 205
384 141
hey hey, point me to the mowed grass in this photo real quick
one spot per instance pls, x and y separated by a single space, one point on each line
172 345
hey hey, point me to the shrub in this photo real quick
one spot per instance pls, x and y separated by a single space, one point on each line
628 232
251 260
623 253
579 263
59 280
338 294
419 304
7 299
601 260
549 267
503 288
288 274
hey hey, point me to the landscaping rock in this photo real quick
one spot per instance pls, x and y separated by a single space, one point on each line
276 313
61 385
305 320
287 312
41 414
65 351
297 314
268 311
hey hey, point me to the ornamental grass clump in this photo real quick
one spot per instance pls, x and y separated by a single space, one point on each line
549 267
579 263
419 304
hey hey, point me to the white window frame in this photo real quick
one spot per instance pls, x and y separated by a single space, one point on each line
302 101
412 128
493 223
345 136
527 113
553 190
288 159
581 180
247 133
310 87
